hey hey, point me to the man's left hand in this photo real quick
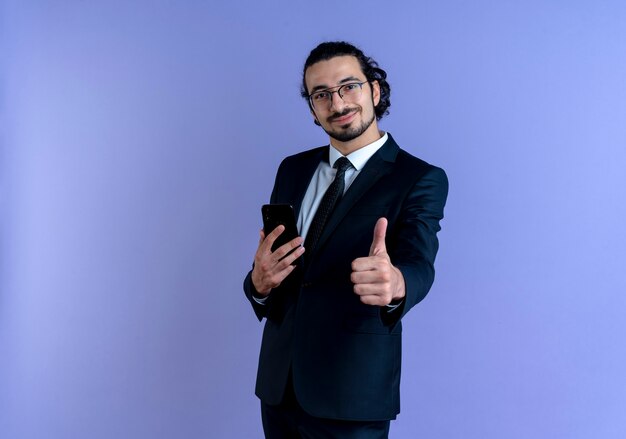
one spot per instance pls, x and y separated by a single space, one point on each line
375 279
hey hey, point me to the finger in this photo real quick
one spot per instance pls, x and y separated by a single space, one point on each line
281 275
274 279
284 249
373 300
272 236
378 242
369 277
289 259
261 237
368 263
372 289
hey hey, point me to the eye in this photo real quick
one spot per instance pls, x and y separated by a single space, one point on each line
351 88
320 96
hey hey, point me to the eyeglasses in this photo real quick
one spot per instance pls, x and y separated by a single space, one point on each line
350 92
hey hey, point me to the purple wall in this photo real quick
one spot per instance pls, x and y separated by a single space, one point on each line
125 234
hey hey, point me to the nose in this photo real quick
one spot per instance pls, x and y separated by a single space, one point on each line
336 101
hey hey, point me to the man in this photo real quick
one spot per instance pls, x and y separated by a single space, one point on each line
330 357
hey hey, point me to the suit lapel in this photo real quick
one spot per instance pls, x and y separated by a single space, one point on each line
379 165
301 184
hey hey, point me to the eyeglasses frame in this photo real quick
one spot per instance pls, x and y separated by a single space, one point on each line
331 91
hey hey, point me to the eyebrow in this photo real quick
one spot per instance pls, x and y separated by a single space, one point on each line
343 81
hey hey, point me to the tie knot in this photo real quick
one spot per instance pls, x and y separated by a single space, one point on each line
342 164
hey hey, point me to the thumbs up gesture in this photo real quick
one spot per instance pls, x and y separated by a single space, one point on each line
375 279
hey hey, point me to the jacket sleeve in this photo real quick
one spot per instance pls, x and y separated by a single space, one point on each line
259 309
414 242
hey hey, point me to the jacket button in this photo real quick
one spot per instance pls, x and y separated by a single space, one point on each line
307 284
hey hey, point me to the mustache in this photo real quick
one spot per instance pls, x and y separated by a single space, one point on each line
345 112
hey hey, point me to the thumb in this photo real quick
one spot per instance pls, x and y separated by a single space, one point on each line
378 243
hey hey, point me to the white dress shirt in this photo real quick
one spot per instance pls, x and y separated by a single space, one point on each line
324 176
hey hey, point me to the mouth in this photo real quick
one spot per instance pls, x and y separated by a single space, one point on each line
344 118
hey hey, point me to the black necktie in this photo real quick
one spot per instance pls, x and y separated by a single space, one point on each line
329 201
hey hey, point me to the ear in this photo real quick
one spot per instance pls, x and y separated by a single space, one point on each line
375 92
315 121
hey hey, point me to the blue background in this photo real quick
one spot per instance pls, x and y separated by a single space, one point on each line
139 139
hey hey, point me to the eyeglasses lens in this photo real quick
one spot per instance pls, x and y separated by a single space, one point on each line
348 92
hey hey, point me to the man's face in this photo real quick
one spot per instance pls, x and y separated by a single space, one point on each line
344 120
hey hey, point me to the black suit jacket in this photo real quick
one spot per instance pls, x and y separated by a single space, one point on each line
345 356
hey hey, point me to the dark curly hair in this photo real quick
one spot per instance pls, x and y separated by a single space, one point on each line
372 72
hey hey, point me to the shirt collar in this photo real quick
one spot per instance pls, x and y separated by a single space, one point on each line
359 157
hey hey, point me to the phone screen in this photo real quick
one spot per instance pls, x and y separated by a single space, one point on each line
275 215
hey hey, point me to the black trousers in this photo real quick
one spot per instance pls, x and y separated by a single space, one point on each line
289 421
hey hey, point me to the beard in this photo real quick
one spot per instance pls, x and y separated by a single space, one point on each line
347 133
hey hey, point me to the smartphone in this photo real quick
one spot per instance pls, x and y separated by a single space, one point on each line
275 215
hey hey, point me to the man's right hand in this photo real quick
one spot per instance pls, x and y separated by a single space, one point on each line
270 269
